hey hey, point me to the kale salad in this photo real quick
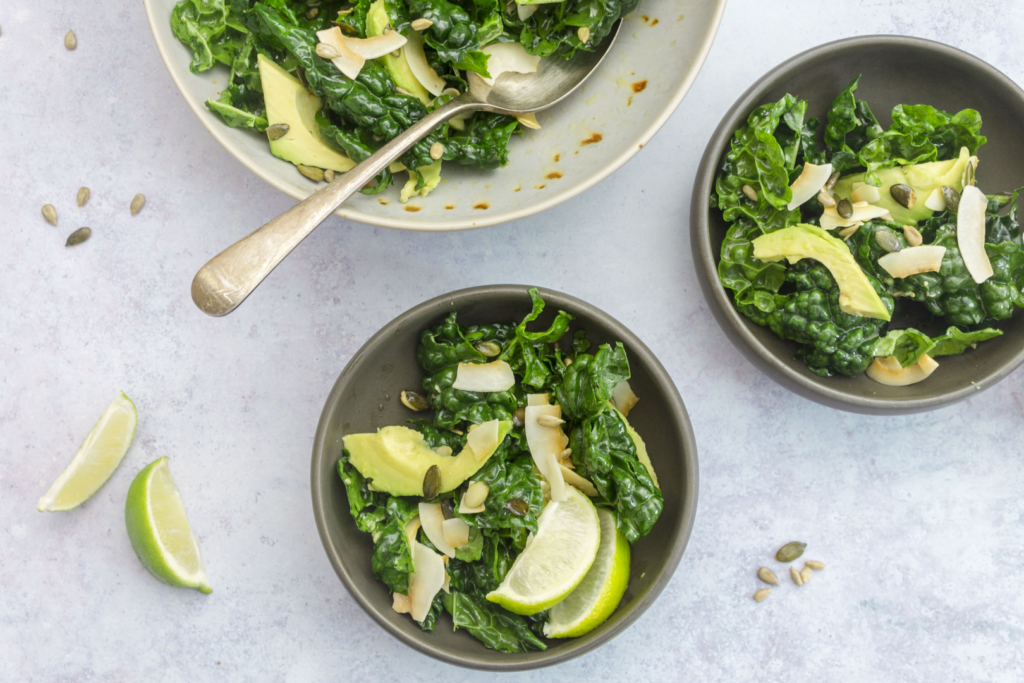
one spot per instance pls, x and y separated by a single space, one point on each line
514 506
331 82
827 244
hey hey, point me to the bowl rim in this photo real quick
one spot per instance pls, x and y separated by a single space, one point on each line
706 261
219 133
688 507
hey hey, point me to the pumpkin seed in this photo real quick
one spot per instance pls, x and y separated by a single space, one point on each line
311 14
519 417
790 551
476 494
311 172
70 40
421 24
798 579
518 507
279 130
969 172
50 214
805 574
431 482
83 195
448 508
550 421
762 594
831 182
826 199
750 192
138 201
414 400
912 235
436 151
904 195
329 176
815 565
488 348
952 198
888 241
844 208
768 576
78 236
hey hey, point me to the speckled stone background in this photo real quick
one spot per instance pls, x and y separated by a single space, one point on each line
919 519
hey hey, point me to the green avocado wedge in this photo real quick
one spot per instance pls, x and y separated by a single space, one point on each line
856 295
377 24
396 459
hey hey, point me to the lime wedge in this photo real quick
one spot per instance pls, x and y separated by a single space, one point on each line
96 459
159 531
601 590
555 560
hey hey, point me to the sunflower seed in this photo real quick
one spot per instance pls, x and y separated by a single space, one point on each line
311 14
83 195
70 40
311 172
421 24
431 482
849 230
567 362
790 551
325 51
50 214
518 507
488 348
400 90
797 578
138 201
436 151
832 180
78 236
550 421
476 494
279 130
414 400
750 192
815 565
826 199
912 235
583 33
805 574
768 576
762 594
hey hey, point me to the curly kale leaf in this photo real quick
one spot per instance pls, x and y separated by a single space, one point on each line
483 142
478 578
509 474
807 311
955 342
202 25
492 625
909 345
358 144
554 27
754 282
863 243
588 383
851 125
453 34
534 355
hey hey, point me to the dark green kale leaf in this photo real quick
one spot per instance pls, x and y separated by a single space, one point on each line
483 142
554 27
604 453
588 383
492 625
478 578
358 144
863 243
955 342
392 556
909 345
851 125
201 25
534 355
453 34
754 282
509 474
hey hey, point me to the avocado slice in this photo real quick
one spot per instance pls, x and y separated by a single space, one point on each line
376 25
641 449
856 295
396 460
924 178
290 103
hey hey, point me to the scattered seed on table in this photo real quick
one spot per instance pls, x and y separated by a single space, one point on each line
137 203
797 578
805 574
70 41
762 594
83 195
815 565
50 214
768 576
78 236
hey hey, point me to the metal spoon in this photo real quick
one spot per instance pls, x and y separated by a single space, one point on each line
230 276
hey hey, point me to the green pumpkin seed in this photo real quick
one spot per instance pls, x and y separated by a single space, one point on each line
311 14
952 198
83 195
790 551
969 172
448 508
277 131
432 482
414 401
138 201
888 241
78 236
50 214
832 180
844 208
904 195
518 507
488 348
311 172
70 40
519 417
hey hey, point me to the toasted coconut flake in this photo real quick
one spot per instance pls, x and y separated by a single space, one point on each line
528 121
830 220
546 445
377 46
537 400
426 581
865 193
432 518
456 532
420 68
935 201
970 233
347 61
809 184
579 482
401 603
508 57
884 373
526 11
623 397
484 377
412 527
913 260
483 438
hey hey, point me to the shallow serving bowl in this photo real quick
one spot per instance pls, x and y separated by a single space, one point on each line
896 70
365 398
583 140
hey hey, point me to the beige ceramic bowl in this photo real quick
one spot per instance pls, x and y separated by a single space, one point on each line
659 51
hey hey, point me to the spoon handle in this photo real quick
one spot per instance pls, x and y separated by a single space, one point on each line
230 276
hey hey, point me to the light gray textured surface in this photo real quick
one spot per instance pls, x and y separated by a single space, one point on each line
919 519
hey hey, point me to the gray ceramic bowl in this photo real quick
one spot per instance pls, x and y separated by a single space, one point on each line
895 70
365 398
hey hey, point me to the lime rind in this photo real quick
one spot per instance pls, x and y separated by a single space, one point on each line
601 590
96 460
